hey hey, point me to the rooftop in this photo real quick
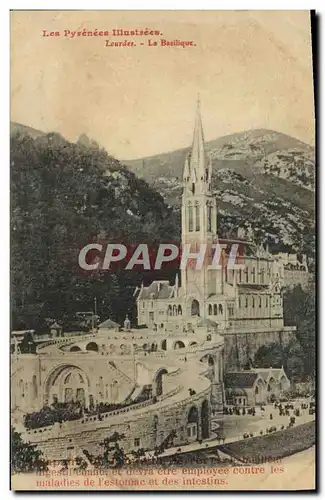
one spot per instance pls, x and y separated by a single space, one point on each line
156 290
240 380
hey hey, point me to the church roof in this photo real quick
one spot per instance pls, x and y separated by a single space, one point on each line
206 322
241 379
266 373
157 290
55 325
108 323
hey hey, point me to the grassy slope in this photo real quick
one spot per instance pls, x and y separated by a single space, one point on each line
273 446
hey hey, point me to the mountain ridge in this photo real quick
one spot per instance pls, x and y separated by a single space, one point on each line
264 180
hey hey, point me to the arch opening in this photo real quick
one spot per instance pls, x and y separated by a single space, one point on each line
192 424
195 308
75 348
179 344
259 396
159 381
65 384
92 346
205 420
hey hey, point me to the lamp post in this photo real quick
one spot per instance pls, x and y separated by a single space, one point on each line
134 364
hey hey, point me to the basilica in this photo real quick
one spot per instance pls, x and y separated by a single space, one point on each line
244 305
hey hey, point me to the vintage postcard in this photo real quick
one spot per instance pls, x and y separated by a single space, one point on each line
162 251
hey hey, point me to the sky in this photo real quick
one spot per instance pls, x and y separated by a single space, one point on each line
252 69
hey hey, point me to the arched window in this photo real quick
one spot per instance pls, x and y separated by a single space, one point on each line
197 217
246 301
253 275
174 311
34 385
195 308
190 218
210 310
220 309
253 302
169 311
209 218
215 309
179 311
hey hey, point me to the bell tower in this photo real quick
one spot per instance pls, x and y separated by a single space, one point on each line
199 209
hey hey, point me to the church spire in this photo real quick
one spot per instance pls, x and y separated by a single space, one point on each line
197 162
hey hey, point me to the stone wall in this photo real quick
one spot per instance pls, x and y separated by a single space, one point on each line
241 348
147 428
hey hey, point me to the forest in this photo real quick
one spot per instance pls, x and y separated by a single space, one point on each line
66 195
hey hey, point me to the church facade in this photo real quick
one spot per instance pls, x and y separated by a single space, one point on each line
243 304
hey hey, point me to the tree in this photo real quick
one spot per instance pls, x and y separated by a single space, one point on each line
24 456
113 455
297 357
269 355
300 310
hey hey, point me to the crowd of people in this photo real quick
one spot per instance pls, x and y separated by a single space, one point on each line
236 410
75 410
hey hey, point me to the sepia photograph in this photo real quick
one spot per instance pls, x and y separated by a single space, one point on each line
163 250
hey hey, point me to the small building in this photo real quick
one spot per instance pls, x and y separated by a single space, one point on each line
56 330
255 386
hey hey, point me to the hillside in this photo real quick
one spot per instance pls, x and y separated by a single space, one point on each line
64 196
25 130
262 179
